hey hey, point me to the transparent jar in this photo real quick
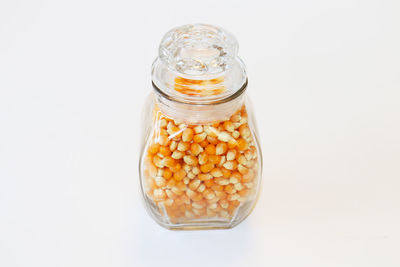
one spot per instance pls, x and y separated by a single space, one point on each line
200 164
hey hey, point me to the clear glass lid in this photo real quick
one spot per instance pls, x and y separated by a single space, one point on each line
198 64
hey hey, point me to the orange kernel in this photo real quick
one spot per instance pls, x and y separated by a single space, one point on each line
206 167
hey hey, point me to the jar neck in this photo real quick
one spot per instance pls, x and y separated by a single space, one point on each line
202 89
199 113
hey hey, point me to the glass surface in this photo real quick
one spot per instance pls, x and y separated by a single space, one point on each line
200 164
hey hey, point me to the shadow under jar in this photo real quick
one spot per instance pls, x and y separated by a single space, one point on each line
200 164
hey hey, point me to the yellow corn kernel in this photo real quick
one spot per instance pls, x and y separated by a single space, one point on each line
177 154
196 149
173 146
176 167
158 195
228 125
235 118
196 170
208 194
211 131
163 140
214 159
180 203
215 124
232 143
187 135
206 167
254 151
171 183
152 184
167 173
239 186
190 193
160 181
159 162
231 154
231 208
221 148
235 134
212 200
236 175
242 169
230 165
243 119
213 206
204 143
174 131
181 185
190 160
209 183
217 187
224 136
242 144
220 194
201 188
221 181
183 146
222 161
163 123
152 170
224 203
242 160
204 176
251 163
179 175
244 192
198 197
244 131
216 172
185 199
203 158
154 148
226 173
210 149
186 180
230 189
233 197
163 132
212 140
199 137
169 162
248 154
187 168
198 129
168 202
194 184
199 204
248 177
176 191
165 151
237 125
160 172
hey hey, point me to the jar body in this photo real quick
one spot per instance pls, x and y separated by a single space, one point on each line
200 167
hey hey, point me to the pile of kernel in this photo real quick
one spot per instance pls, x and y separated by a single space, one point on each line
200 171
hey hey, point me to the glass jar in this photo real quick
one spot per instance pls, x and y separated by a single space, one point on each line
200 164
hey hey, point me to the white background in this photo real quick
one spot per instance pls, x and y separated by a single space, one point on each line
324 78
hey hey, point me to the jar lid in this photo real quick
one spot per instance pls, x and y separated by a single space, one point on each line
198 64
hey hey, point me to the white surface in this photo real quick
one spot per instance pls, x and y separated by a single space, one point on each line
324 76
